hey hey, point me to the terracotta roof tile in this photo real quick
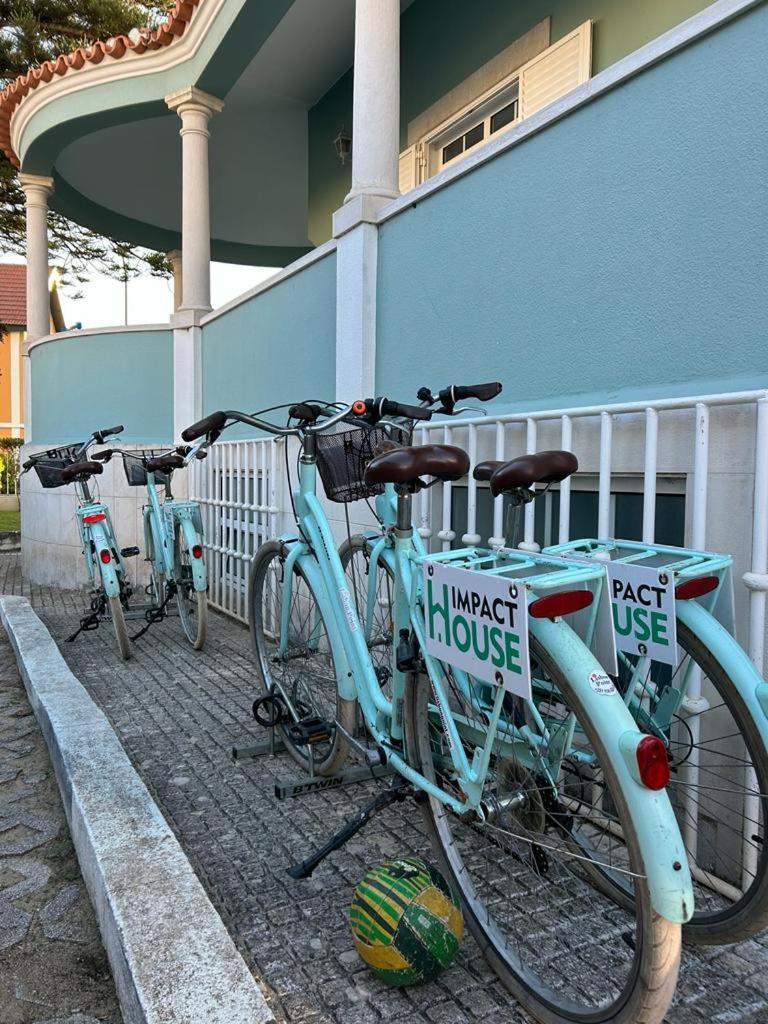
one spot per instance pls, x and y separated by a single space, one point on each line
138 40
13 294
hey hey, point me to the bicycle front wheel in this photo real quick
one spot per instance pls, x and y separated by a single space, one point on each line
300 672
192 604
568 952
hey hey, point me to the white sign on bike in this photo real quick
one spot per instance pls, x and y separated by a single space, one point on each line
643 609
478 623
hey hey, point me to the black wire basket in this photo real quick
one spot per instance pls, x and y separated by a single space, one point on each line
51 464
343 456
135 471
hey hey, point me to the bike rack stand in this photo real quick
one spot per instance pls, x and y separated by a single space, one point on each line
286 788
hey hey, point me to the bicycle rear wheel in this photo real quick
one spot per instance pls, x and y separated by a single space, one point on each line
569 953
192 604
721 805
303 677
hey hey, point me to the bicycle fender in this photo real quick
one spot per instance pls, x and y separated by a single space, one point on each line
661 846
311 570
192 538
750 685
109 570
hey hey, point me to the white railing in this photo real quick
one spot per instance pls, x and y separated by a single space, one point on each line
238 486
712 448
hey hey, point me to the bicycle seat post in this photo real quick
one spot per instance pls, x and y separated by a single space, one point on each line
403 525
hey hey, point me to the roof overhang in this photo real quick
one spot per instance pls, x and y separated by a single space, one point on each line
102 130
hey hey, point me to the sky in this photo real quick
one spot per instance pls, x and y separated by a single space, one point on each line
150 299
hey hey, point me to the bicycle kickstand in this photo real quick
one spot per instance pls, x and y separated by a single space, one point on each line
394 793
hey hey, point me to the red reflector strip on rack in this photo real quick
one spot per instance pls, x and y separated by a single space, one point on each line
564 603
652 762
696 588
95 517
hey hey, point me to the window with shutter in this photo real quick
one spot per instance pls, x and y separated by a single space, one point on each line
549 75
556 71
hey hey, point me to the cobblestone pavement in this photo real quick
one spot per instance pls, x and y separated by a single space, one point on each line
178 713
53 969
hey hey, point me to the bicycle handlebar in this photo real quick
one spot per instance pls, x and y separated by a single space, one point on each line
215 422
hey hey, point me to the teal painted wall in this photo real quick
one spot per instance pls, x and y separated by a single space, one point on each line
444 41
619 253
80 384
277 347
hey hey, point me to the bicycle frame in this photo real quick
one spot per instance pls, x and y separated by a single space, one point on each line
668 878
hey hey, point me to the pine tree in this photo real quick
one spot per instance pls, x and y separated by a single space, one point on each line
33 31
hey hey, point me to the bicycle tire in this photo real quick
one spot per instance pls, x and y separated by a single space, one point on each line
262 605
644 997
714 924
192 604
118 624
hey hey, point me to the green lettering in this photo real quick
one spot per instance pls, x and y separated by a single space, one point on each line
498 651
642 630
464 644
626 628
434 608
482 655
659 628
513 653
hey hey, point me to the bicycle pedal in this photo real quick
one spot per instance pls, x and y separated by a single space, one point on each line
129 552
309 731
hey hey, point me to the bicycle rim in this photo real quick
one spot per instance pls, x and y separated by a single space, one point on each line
192 604
720 826
568 952
303 677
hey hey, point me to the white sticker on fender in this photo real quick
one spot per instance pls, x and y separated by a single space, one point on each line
349 611
601 683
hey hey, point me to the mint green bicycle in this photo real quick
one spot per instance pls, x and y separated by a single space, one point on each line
173 538
499 777
104 560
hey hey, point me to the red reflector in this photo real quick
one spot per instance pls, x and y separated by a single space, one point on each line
105 556
652 762
554 605
696 588
95 517
358 407
197 551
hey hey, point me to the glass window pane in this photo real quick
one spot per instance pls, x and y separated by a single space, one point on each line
453 149
474 135
504 116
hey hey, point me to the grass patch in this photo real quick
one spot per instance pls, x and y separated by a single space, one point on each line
10 521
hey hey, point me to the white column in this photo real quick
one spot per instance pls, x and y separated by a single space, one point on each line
176 262
376 103
36 189
375 150
195 109
16 375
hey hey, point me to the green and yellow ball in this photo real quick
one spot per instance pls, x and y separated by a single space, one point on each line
405 921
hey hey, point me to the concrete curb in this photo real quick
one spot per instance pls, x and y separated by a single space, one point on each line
172 958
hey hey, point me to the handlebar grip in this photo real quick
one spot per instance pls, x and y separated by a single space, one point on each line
409 412
483 392
29 463
306 411
104 456
216 421
111 430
